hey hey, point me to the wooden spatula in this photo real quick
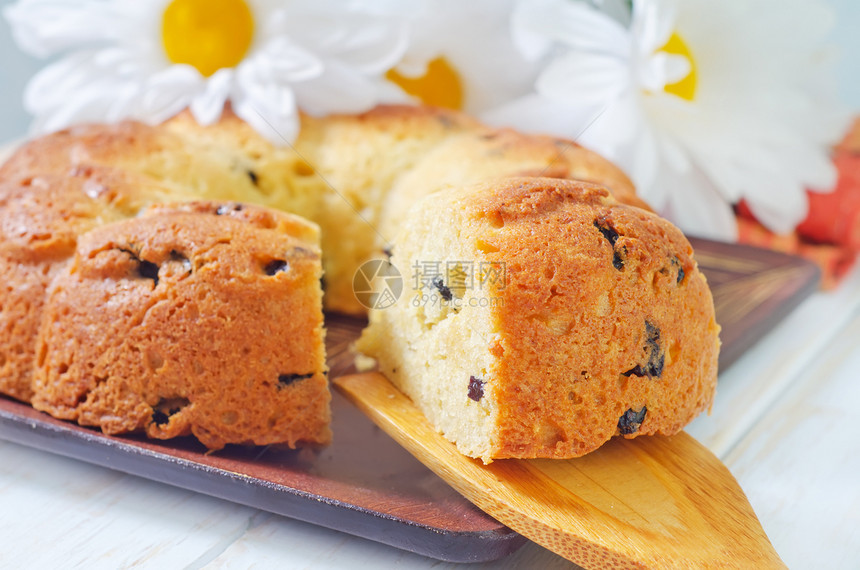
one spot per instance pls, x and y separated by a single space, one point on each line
652 502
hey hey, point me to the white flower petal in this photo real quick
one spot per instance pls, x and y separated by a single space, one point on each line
743 164
757 128
774 181
537 114
696 207
572 24
270 110
639 157
54 84
372 48
665 111
425 43
339 90
168 92
368 42
80 87
663 69
47 27
780 203
207 106
579 78
331 95
475 39
653 23
617 130
531 44
284 61
92 103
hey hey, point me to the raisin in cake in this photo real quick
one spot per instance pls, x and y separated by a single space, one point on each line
542 317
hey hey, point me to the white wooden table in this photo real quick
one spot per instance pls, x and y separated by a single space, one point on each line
785 422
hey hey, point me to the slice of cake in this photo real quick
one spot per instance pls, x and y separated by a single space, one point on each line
202 318
541 317
41 218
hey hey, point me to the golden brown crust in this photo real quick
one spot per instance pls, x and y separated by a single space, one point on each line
83 189
604 311
560 158
348 173
89 145
41 220
202 319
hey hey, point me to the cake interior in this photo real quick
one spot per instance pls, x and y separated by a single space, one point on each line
435 342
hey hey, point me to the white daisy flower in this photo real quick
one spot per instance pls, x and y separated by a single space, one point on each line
462 56
149 59
703 103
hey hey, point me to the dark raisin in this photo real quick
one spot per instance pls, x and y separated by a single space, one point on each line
253 176
652 341
179 258
165 408
677 263
442 288
159 418
612 236
145 269
287 379
388 251
608 232
476 388
617 260
635 371
631 420
276 266
148 270
653 367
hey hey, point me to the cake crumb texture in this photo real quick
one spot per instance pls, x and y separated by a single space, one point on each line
197 319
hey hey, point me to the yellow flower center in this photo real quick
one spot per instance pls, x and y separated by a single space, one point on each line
207 34
439 86
686 87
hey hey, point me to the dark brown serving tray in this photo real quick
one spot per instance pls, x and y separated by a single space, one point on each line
753 289
364 483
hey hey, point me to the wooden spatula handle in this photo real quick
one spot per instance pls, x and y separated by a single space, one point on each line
655 502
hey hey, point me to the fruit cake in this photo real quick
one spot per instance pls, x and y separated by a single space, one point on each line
541 317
